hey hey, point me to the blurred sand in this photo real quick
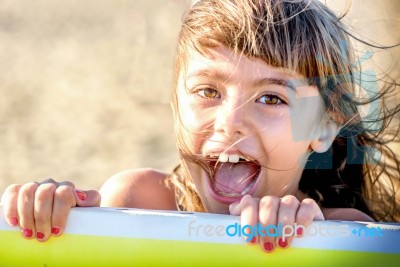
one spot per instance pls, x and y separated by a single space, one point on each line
85 85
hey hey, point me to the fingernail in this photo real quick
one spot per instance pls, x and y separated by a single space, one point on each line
55 230
27 232
299 231
268 246
281 243
81 195
14 221
253 240
39 235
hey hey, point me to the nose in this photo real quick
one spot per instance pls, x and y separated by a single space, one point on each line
231 118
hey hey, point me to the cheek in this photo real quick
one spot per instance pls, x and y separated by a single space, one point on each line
282 150
190 117
290 156
196 125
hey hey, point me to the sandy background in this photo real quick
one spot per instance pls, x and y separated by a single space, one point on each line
85 85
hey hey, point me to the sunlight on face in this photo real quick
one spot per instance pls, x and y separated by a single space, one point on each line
234 105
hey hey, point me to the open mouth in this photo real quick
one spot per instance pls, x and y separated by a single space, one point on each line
232 177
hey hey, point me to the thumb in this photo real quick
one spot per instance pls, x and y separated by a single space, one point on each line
88 198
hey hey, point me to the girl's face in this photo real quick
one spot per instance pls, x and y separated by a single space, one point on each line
252 123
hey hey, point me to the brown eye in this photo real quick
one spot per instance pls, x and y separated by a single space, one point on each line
209 93
270 100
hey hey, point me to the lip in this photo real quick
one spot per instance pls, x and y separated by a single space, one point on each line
226 199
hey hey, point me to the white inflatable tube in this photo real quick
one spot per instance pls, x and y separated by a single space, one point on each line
131 237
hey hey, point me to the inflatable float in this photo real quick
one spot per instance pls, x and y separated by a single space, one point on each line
132 237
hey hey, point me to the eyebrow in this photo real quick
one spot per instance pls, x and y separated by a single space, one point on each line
223 76
265 81
210 73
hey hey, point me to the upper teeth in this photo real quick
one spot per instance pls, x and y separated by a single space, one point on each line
232 158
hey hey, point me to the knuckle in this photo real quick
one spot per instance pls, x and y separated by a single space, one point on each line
10 192
41 219
44 192
63 192
67 183
247 201
290 201
13 189
48 180
308 202
269 202
285 219
48 187
28 188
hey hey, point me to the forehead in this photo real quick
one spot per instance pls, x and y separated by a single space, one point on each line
225 60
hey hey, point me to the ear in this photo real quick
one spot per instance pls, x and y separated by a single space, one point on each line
329 130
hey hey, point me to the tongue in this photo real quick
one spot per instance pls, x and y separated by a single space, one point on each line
234 178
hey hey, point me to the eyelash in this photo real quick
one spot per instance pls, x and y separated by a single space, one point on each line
201 93
272 96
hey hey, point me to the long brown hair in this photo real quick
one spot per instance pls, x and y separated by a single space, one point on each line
360 170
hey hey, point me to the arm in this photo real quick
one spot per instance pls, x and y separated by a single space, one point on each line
346 214
140 188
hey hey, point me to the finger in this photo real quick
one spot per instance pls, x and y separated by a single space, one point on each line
48 181
64 200
268 217
287 218
234 208
307 212
52 181
43 209
25 206
58 184
67 183
10 201
90 198
249 218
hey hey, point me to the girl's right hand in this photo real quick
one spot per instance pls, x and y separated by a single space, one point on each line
269 211
41 209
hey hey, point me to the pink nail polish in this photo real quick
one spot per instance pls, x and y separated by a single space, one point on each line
299 231
39 235
268 246
27 232
55 230
81 195
14 221
281 243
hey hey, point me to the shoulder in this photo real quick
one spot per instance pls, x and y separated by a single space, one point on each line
139 188
345 214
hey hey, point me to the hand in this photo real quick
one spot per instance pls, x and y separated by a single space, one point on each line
271 211
41 209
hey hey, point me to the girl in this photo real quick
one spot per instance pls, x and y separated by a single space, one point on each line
267 103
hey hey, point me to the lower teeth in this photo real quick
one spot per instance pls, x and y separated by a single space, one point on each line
247 189
244 192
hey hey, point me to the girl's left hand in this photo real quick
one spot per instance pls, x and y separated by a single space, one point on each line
271 210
